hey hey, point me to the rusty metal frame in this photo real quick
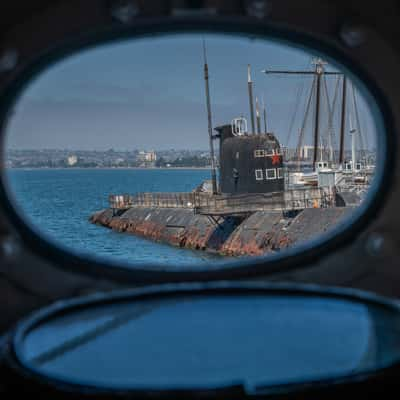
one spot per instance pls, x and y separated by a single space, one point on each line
69 26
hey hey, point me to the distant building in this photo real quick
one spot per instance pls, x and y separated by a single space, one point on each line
72 160
119 161
147 156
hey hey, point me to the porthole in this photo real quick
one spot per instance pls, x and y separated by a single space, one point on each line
121 132
193 340
124 156
259 153
270 173
259 174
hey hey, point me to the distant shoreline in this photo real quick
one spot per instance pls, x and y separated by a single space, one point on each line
106 168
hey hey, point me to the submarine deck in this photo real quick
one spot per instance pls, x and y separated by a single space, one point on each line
229 204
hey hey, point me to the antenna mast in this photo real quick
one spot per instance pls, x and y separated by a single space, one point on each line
209 120
342 121
258 117
353 132
264 115
250 88
319 70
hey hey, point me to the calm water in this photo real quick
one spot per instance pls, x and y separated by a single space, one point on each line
59 203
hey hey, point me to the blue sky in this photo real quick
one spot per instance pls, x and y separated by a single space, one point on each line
149 94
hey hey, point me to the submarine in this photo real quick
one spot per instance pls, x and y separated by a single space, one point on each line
249 210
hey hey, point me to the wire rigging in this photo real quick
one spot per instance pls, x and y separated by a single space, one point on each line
299 94
331 112
358 124
301 135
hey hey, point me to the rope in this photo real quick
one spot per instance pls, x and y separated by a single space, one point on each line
301 135
358 124
331 112
299 94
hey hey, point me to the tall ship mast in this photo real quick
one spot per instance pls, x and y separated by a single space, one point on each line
327 156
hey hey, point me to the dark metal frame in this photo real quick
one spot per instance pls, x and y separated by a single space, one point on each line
94 30
27 380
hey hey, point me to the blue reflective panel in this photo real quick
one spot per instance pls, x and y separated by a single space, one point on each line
212 341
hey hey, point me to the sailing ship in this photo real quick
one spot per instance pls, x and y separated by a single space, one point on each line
345 173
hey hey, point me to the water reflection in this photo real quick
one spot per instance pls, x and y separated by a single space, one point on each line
217 340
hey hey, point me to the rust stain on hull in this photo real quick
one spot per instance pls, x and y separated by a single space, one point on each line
257 235
180 228
260 233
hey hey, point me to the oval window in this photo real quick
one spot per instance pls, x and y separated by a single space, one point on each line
216 341
192 151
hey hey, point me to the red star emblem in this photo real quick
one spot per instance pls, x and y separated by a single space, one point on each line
276 159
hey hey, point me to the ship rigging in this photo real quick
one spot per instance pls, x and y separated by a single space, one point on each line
326 156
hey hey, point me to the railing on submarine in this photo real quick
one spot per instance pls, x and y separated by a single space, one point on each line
220 204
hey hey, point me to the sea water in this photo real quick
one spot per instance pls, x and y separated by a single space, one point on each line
59 202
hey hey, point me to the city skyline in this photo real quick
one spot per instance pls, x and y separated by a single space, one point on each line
141 158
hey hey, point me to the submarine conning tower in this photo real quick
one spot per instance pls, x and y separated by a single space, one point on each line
249 163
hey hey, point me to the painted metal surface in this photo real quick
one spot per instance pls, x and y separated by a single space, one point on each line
242 156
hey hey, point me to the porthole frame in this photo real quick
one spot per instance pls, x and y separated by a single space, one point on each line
369 381
107 30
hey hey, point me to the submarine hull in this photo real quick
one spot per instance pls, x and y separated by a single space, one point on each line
260 233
